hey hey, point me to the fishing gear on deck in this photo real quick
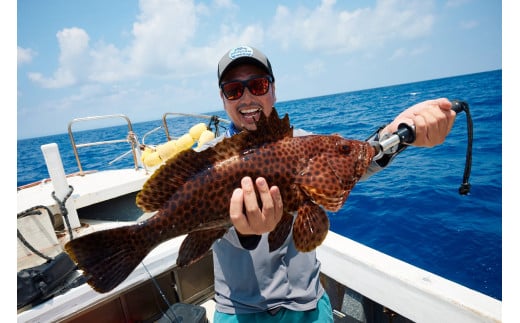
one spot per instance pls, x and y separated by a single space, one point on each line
53 277
34 211
405 134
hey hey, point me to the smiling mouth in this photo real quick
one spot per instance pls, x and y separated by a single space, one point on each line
251 113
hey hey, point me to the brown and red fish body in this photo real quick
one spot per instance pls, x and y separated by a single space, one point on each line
191 194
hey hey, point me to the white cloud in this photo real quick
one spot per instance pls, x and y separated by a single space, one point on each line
172 39
327 28
161 34
164 43
107 64
73 60
24 55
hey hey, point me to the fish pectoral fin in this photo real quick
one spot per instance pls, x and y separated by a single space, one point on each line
277 237
319 181
310 227
196 244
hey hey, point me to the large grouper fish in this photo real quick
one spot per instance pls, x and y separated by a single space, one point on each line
191 193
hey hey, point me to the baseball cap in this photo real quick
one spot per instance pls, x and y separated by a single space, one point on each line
242 54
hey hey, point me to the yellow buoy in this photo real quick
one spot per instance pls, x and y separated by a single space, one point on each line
147 151
186 141
206 136
197 130
168 149
152 159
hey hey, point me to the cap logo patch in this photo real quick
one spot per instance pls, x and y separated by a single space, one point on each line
240 52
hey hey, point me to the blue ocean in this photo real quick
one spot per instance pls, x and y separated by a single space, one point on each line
411 210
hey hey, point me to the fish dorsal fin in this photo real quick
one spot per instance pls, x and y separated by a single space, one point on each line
268 129
169 177
177 170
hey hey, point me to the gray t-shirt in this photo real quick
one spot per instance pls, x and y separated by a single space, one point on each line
248 281
258 280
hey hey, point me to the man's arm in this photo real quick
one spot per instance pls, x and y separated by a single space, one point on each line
432 120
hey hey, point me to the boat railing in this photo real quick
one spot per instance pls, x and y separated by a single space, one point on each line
213 123
131 138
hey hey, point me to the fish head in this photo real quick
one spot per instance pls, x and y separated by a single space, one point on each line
331 173
349 159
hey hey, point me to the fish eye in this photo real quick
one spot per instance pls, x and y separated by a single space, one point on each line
344 148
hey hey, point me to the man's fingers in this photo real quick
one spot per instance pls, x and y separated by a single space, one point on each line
277 200
270 205
236 210
250 200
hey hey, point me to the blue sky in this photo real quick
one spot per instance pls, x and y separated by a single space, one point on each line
143 58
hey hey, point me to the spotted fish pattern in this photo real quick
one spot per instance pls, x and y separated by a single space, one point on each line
191 192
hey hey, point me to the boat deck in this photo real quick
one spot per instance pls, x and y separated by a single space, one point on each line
96 196
99 187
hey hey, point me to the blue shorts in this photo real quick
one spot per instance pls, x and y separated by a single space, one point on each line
322 313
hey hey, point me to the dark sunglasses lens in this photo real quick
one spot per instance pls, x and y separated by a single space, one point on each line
258 86
233 90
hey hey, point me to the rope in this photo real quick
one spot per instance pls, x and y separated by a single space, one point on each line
215 120
33 211
63 209
132 139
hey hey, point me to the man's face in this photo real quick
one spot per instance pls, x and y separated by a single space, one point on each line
245 110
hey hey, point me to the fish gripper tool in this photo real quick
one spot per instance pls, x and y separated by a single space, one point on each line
405 135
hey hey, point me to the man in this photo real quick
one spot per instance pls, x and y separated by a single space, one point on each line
251 283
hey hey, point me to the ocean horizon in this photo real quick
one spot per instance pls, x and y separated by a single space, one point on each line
411 210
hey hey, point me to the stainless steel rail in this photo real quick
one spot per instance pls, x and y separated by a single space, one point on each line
130 138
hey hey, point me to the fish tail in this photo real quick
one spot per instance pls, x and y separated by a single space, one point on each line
108 257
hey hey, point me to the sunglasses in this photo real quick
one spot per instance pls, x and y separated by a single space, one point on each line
234 90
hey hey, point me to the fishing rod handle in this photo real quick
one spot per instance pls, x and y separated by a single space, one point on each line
406 133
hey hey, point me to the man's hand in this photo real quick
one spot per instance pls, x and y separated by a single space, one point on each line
432 119
245 213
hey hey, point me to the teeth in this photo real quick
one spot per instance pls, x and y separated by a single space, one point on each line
248 111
